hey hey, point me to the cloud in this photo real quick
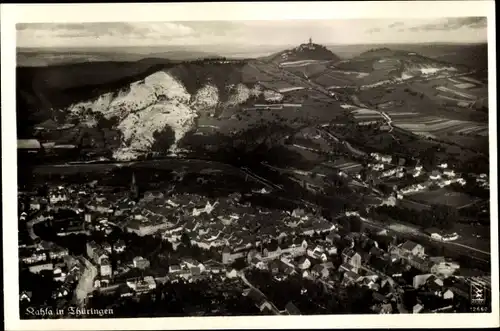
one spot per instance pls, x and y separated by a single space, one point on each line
395 25
390 26
451 24
60 33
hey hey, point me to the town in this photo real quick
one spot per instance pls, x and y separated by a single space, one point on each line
94 247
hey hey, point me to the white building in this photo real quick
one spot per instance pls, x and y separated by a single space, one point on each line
57 197
435 175
449 173
445 269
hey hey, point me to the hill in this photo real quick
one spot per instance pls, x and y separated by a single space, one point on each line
135 104
402 61
379 66
135 107
474 56
304 52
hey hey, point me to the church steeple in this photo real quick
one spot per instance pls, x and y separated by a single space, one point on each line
134 190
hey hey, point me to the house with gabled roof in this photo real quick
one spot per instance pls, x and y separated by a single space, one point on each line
351 277
25 296
320 270
303 263
419 263
350 256
105 267
412 248
214 266
274 266
174 268
107 247
119 246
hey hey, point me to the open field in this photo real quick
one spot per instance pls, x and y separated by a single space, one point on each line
328 80
480 144
362 114
404 228
280 86
444 196
473 236
307 70
433 126
458 89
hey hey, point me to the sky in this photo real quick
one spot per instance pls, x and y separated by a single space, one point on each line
252 33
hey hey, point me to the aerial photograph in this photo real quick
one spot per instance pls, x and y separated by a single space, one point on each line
244 168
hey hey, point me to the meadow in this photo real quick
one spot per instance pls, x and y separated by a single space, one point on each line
444 196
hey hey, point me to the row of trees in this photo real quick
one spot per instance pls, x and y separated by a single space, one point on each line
214 60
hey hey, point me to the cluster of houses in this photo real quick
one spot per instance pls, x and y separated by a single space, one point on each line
42 256
187 270
382 158
483 181
441 178
100 256
366 265
440 235
412 189
69 276
48 257
446 177
226 224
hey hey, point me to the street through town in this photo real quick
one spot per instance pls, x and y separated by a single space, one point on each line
242 276
85 284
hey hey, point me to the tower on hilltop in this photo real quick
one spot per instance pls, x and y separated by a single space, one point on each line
310 41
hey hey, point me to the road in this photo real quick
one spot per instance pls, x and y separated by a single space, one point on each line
331 136
352 149
85 285
398 290
465 246
30 225
260 179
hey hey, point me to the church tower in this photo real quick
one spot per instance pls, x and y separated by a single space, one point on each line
134 190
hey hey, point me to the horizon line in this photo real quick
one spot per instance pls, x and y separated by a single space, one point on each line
264 45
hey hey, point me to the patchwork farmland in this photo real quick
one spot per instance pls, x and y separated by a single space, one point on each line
434 127
363 116
462 91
